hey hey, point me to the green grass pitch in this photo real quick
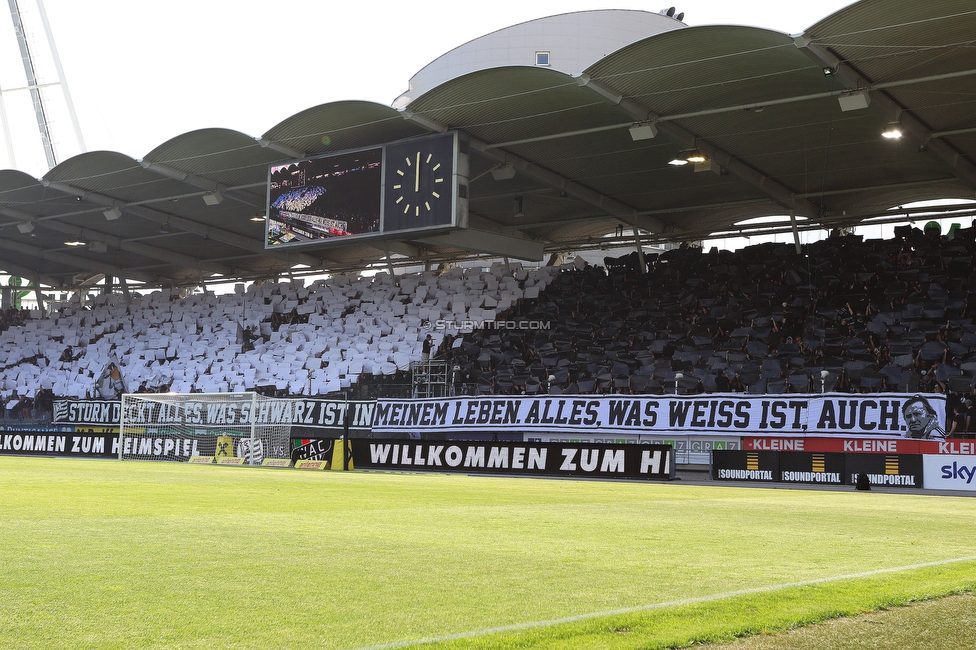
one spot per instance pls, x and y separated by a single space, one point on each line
102 554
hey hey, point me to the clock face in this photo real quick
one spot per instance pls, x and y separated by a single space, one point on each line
418 183
410 194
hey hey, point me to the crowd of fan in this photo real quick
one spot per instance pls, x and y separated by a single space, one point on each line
845 315
298 199
25 406
13 318
283 338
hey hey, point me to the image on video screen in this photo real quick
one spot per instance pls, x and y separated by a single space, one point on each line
325 198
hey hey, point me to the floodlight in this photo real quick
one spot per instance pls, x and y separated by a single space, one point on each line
854 101
25 227
212 198
892 132
642 131
112 213
503 172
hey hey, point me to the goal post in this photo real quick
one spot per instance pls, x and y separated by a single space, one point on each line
178 426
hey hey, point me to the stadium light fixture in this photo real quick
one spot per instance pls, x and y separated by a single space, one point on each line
25 227
112 213
212 198
643 131
693 156
854 101
74 243
892 131
503 172
519 205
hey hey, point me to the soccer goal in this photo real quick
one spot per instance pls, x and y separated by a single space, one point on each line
179 426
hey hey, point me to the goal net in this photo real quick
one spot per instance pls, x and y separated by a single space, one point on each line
178 426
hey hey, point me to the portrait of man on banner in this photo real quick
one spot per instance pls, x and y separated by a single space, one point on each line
922 420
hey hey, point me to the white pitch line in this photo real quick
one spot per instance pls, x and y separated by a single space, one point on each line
645 608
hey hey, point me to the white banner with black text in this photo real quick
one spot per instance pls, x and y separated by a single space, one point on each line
329 415
880 414
593 460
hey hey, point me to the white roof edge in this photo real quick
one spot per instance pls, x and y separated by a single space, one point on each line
496 49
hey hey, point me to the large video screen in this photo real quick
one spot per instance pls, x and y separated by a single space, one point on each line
324 199
400 188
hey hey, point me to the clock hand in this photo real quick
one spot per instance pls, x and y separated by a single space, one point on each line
416 185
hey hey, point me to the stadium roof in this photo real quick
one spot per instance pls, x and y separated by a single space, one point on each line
785 123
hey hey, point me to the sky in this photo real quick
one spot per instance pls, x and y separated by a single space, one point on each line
141 72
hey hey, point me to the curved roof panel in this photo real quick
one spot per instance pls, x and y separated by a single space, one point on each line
713 66
893 39
552 156
570 42
503 104
225 156
104 171
923 61
342 125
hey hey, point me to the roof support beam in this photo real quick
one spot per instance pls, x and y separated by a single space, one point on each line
742 107
401 248
205 231
125 291
887 187
686 139
182 176
483 241
281 148
855 79
195 181
71 260
36 279
24 272
139 248
544 176
551 179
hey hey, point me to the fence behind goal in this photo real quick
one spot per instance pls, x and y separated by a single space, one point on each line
178 426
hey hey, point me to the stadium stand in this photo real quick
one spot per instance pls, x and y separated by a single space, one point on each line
843 315
846 315
313 340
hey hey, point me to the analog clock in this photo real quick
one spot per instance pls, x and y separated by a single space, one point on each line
418 183
413 196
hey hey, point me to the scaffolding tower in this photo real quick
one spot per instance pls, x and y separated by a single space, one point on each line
430 378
